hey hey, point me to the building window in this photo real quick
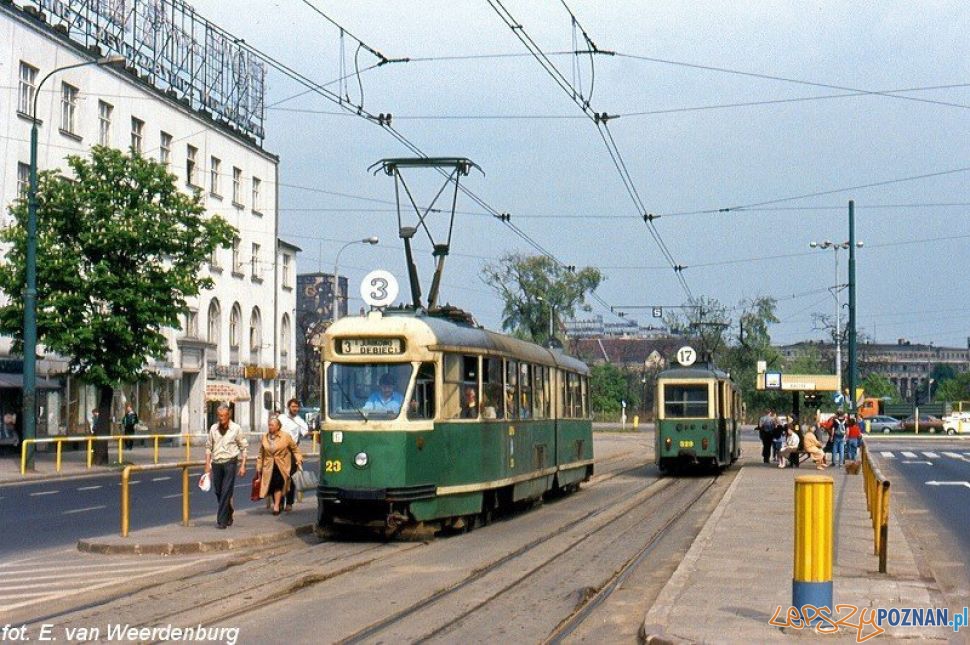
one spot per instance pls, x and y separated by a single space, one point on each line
214 322
254 263
68 108
190 165
236 263
191 328
237 186
255 334
285 337
104 123
234 321
214 165
165 149
23 179
27 87
137 132
257 187
214 260
286 270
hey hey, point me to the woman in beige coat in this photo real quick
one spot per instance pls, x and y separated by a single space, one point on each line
273 463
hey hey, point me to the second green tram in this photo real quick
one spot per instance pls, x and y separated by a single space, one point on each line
428 419
698 418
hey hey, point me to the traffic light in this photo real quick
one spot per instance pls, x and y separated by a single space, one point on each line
812 400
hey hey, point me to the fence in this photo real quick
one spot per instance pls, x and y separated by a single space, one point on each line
877 501
121 440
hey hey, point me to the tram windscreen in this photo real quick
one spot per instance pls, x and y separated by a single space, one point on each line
367 390
682 401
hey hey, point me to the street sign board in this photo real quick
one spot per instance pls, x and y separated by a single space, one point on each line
772 380
797 382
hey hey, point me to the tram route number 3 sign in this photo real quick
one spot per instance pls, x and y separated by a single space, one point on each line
379 288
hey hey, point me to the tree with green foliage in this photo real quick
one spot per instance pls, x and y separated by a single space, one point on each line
954 389
119 249
535 287
610 385
878 386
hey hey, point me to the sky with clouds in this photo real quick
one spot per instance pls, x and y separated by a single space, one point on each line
719 105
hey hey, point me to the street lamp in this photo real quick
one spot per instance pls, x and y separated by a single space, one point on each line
836 247
552 314
335 313
30 268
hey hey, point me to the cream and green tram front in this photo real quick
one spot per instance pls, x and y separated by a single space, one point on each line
428 418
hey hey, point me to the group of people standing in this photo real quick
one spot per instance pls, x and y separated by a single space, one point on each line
279 457
782 439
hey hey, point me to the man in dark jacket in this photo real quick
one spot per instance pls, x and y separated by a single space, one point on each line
128 423
766 431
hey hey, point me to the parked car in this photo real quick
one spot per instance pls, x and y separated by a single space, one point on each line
956 423
881 423
927 423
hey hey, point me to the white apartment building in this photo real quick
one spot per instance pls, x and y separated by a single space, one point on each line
237 342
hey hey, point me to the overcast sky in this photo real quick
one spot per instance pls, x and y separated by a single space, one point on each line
555 177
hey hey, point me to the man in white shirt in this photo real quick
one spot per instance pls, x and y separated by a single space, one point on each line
225 449
296 427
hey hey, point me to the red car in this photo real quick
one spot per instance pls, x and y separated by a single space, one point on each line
927 423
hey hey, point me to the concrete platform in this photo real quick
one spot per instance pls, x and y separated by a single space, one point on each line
739 570
251 527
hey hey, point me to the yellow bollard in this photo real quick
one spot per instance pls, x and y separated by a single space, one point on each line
156 449
188 446
636 422
121 450
812 580
125 501
186 492
90 451
23 456
58 461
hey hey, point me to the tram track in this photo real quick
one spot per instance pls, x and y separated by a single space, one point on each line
278 574
635 499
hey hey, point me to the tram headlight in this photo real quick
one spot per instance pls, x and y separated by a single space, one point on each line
360 460
668 442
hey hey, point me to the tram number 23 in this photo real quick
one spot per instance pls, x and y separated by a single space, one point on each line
332 466
687 444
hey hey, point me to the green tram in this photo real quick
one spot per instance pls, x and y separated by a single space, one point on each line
430 421
698 418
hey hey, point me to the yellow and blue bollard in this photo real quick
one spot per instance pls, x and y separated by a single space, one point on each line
812 580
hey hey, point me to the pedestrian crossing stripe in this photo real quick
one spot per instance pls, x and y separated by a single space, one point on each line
952 455
928 454
909 455
888 455
932 455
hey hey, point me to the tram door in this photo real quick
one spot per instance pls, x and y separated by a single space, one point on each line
722 415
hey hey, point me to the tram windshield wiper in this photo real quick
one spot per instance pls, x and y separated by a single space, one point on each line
347 398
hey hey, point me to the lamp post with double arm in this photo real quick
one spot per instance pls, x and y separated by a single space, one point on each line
836 247
30 265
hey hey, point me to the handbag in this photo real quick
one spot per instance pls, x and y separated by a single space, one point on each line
304 479
255 488
205 483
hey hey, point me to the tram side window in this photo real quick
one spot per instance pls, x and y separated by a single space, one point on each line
511 389
493 392
525 390
685 400
573 401
460 391
584 409
539 399
422 405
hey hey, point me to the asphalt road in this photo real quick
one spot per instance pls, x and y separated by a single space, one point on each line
938 474
60 512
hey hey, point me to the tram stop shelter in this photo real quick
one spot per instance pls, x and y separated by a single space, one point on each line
809 384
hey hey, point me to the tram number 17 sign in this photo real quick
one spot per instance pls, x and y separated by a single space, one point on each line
686 356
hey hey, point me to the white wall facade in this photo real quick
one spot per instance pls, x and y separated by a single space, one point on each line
240 186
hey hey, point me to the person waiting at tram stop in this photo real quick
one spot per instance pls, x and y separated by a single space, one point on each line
813 447
766 427
294 425
837 427
853 435
278 458
790 448
387 399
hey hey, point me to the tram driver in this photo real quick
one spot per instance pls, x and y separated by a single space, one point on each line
387 400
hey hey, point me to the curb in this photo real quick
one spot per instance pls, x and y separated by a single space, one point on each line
652 632
185 548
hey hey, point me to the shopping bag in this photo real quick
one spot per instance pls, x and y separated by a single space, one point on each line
305 480
254 489
205 482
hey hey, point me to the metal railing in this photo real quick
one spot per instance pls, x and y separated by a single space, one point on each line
121 440
125 486
877 501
